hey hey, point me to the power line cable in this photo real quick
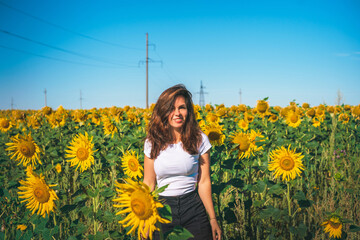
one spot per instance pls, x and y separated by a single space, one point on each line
61 49
167 71
68 30
55 59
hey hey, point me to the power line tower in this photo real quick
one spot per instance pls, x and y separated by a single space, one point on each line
45 97
12 103
202 95
147 60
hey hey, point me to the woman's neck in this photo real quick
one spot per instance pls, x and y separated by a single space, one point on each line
177 135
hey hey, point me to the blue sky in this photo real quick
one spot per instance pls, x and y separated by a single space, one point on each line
285 50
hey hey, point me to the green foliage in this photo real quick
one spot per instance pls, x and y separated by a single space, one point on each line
249 202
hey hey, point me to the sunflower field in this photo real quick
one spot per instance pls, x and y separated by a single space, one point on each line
277 172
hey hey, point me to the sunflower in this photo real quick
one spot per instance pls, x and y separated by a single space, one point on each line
131 165
242 142
248 117
333 226
262 108
38 195
21 227
80 116
286 162
293 119
5 125
58 168
311 112
344 118
212 118
24 149
56 119
34 121
273 118
214 132
320 112
305 105
317 122
135 199
81 152
221 111
356 112
108 127
243 124
95 118
252 137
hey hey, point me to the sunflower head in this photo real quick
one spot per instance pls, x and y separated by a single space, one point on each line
58 168
356 111
109 127
24 149
286 163
344 118
5 124
80 152
140 205
293 119
262 106
243 124
214 131
46 110
21 227
333 226
242 108
305 105
242 144
131 165
38 195
273 118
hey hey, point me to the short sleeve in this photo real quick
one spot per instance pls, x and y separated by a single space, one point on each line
147 148
205 144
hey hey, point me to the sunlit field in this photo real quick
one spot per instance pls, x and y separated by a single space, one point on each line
277 172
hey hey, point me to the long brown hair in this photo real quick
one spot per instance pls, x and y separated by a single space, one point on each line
159 131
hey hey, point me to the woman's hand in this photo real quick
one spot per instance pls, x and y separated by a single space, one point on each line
216 231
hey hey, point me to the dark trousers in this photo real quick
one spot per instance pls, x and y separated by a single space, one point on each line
189 212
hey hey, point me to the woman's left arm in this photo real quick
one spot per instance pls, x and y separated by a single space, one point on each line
204 188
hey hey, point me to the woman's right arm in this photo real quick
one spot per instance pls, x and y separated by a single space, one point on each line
149 173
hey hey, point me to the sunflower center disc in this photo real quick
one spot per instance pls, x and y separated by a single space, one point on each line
141 205
27 149
261 107
287 163
82 154
214 136
133 165
244 144
294 118
5 123
334 225
42 195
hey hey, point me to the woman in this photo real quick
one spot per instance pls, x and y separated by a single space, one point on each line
177 155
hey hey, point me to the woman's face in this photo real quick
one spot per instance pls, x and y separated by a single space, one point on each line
178 116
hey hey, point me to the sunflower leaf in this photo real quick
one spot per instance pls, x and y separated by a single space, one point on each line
178 233
354 228
165 212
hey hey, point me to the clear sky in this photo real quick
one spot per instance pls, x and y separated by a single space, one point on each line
303 50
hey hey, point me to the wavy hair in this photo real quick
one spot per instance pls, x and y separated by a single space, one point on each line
159 130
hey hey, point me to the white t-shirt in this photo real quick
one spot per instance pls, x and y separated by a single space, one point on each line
176 167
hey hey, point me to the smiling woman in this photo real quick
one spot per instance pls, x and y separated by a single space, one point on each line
177 156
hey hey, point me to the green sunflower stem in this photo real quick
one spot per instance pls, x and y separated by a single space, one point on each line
289 207
54 219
